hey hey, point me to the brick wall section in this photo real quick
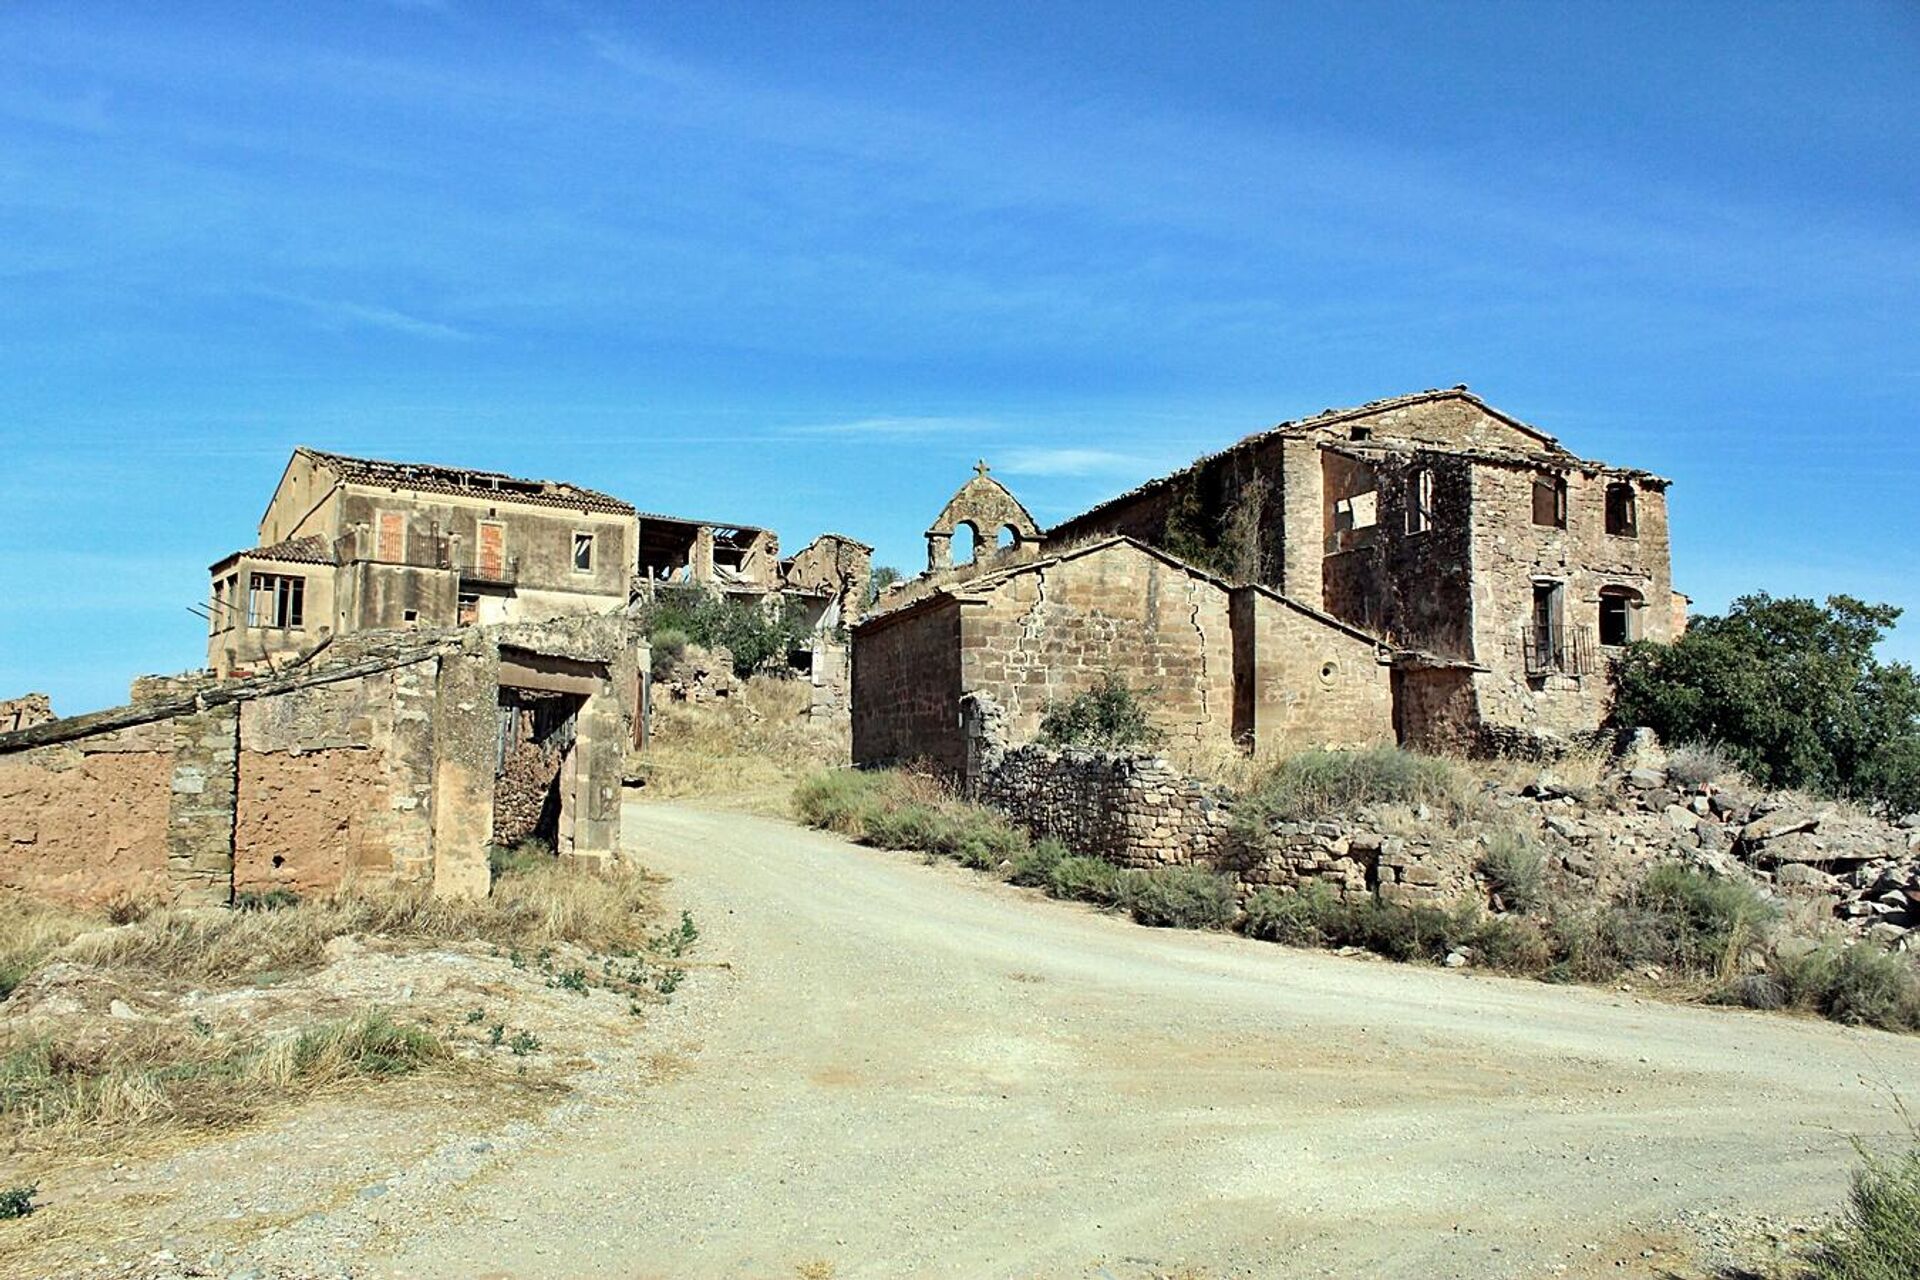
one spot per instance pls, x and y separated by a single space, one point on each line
87 821
906 687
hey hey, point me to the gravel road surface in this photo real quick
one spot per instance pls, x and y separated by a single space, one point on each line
912 1070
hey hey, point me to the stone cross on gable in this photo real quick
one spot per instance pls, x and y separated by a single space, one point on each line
981 468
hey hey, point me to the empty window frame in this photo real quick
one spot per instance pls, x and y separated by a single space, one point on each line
1622 513
1361 511
1420 500
583 553
1550 501
1619 616
276 600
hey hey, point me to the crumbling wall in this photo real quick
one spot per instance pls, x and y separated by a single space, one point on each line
1512 554
1132 810
1435 711
87 821
1407 577
1138 811
25 711
335 783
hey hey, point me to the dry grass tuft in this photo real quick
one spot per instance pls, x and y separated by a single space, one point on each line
562 902
31 931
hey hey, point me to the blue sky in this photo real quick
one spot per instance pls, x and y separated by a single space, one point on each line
798 265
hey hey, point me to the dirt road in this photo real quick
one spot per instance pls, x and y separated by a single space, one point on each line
910 1070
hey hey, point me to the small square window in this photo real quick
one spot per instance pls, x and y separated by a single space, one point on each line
583 553
410 615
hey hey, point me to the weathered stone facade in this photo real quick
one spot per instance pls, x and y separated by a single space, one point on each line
378 765
1459 536
1219 665
354 544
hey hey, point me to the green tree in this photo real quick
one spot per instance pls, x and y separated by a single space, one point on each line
1792 690
882 577
760 634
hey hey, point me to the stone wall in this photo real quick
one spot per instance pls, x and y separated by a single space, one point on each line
1139 811
25 711
1057 628
1304 681
906 687
1511 554
1132 810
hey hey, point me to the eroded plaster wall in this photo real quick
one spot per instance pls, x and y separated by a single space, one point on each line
87 821
1306 683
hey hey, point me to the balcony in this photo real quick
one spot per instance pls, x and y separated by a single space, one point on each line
1558 650
489 571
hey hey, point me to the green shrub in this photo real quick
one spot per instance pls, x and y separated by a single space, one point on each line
1034 866
520 858
1109 715
1791 690
1878 1237
759 634
16 1202
1513 944
1317 784
1516 869
668 644
1295 919
1704 921
839 800
1856 983
1179 898
905 826
1088 879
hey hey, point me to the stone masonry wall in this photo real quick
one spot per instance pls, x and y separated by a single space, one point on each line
1139 811
906 688
1056 630
1511 553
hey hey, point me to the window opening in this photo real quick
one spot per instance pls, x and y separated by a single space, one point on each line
1420 501
1550 502
1621 517
275 600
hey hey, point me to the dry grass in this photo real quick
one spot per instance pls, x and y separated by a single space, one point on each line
744 752
31 931
564 903
153 1076
104 1079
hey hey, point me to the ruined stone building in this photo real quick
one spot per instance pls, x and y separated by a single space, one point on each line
352 544
1490 573
396 757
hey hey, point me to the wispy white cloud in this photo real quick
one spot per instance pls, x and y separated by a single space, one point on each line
894 428
1071 462
338 313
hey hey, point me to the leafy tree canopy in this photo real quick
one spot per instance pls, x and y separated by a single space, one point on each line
1792 690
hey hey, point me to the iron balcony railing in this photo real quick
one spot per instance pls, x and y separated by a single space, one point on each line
503 570
1557 650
